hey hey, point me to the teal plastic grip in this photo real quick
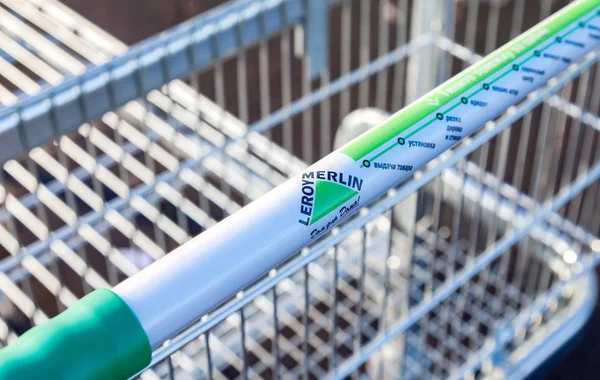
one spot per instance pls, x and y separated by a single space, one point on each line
99 337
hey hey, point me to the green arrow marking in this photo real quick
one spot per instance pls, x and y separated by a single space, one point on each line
328 197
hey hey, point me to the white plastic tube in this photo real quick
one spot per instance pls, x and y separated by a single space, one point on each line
180 288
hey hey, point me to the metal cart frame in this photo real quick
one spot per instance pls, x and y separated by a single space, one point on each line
116 161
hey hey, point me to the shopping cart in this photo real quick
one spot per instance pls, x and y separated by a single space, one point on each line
480 265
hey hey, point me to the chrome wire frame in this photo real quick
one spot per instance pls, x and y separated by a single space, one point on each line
459 272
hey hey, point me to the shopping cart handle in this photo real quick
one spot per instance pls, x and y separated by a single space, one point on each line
98 337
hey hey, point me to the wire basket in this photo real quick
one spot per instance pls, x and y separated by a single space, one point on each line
480 265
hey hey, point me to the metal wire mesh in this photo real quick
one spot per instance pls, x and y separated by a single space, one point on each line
460 271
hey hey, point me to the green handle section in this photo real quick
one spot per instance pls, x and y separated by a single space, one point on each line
98 337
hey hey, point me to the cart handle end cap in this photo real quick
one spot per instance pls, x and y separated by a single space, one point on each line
99 337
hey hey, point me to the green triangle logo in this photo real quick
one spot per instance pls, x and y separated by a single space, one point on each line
329 196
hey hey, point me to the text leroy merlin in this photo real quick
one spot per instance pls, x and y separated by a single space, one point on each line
312 198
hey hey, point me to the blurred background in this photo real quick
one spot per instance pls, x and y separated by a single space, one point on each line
118 180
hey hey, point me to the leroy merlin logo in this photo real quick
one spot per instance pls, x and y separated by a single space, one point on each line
324 191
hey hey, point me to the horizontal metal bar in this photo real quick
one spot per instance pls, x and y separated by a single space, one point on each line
191 46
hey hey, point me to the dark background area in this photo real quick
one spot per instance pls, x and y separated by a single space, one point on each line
581 358
133 20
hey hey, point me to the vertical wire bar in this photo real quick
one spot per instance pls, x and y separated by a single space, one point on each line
381 96
194 81
241 63
220 97
415 261
471 29
286 89
556 156
242 88
430 267
400 66
306 322
193 78
537 158
325 122
410 231
386 289
449 31
209 363
518 177
361 285
276 350
123 173
590 204
586 150
435 227
575 144
581 211
334 307
263 75
491 33
286 79
403 309
545 9
219 82
220 100
499 164
182 217
544 165
517 18
594 201
568 168
264 85
522 150
96 186
345 56
361 300
171 369
455 240
365 46
446 312
473 233
166 89
243 344
476 215
457 218
307 124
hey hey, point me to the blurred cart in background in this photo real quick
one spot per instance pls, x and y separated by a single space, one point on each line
480 266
